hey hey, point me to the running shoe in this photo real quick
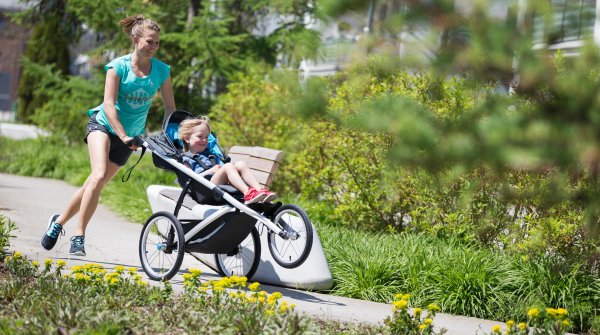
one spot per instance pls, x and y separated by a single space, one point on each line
269 196
253 196
52 233
77 246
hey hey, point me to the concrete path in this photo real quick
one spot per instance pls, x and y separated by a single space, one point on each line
112 240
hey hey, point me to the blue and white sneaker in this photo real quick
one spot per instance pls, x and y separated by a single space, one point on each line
52 233
77 246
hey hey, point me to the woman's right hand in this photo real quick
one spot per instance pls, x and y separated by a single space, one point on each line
129 142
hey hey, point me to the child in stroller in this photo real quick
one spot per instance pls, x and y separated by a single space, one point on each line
194 132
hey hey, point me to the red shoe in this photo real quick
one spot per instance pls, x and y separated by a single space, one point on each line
253 196
269 196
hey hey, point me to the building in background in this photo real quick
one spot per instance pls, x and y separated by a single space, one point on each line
573 21
13 41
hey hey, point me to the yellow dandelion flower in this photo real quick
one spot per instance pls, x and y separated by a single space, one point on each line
35 263
418 311
48 262
284 307
551 312
119 268
427 321
17 255
218 289
566 323
195 272
421 327
510 323
533 313
522 326
187 276
261 299
254 286
496 329
433 308
277 295
61 263
562 312
7 259
401 305
269 312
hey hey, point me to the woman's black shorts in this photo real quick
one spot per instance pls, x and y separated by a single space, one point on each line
119 153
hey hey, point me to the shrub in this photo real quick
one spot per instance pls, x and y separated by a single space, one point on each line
7 226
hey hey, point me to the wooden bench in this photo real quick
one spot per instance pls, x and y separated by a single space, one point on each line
262 161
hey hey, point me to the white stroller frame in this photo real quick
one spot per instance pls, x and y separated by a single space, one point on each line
290 236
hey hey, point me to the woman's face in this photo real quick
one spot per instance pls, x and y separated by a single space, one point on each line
148 43
198 140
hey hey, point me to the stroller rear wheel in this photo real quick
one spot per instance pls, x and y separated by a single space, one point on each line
293 249
243 259
162 245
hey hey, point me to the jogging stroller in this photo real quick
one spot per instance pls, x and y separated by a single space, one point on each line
224 225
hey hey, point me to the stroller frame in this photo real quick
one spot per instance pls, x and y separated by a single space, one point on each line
289 228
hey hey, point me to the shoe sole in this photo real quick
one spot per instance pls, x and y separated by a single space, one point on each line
52 218
256 199
77 253
270 197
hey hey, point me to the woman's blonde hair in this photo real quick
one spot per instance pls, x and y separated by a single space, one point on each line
187 125
134 25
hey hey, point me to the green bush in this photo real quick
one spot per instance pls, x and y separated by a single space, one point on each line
6 229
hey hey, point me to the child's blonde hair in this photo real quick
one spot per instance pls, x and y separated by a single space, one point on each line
186 126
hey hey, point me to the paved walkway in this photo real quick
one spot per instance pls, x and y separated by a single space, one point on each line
112 241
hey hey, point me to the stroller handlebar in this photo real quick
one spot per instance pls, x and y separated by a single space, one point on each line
138 141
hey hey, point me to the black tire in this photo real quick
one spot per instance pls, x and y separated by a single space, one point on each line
161 258
286 252
243 260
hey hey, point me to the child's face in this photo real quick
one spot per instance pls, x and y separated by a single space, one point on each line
198 140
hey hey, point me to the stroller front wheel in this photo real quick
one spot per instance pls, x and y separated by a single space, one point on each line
162 246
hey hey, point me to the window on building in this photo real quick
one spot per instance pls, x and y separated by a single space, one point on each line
572 20
5 103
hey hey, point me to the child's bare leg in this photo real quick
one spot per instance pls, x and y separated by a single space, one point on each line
228 174
243 170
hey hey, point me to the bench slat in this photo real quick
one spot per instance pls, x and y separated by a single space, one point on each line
264 153
256 163
262 161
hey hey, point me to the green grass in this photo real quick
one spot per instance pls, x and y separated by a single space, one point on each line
461 279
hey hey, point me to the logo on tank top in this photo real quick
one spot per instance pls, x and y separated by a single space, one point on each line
138 98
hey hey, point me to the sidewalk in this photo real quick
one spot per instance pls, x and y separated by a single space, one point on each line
112 241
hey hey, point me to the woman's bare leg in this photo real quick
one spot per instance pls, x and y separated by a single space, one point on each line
102 172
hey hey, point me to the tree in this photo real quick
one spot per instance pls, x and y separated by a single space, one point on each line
549 126
53 29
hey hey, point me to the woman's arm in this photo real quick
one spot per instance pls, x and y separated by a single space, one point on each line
111 91
166 91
